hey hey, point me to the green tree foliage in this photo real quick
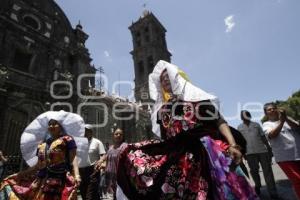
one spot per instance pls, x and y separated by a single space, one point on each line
291 105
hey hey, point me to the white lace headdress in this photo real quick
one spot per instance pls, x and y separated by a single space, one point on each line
185 90
36 132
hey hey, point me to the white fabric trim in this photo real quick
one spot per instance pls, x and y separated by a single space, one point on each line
119 194
180 87
36 132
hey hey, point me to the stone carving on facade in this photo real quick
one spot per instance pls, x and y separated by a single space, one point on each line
4 75
67 76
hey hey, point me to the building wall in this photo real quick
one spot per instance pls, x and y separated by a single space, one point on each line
38 45
107 113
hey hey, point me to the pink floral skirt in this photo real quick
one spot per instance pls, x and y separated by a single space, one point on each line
30 188
181 169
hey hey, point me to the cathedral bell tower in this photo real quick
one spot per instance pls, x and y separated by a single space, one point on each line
149 46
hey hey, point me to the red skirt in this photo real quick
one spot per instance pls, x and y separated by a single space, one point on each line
32 188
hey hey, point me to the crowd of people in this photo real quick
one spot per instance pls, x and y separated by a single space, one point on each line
198 156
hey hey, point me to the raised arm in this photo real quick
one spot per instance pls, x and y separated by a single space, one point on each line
210 111
276 131
233 149
273 133
225 131
292 123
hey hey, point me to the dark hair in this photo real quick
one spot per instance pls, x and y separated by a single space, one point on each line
53 120
56 122
245 114
163 72
269 104
61 127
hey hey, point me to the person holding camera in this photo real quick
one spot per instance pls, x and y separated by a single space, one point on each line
283 133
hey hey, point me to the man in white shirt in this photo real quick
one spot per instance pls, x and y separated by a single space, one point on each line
257 153
89 175
283 132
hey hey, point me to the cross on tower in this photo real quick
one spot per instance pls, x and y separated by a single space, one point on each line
144 5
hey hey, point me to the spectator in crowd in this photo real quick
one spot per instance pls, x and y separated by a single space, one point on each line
258 153
283 133
89 174
110 162
3 160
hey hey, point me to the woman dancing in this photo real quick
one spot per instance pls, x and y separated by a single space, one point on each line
187 163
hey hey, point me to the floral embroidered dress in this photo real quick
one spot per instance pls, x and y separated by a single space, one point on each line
187 164
52 181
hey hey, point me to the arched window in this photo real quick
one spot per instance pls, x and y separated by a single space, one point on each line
138 39
147 35
32 21
150 63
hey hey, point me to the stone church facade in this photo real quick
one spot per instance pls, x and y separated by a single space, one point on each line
107 113
38 46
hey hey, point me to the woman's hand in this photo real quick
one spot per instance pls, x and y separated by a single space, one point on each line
97 166
235 154
77 180
100 164
36 184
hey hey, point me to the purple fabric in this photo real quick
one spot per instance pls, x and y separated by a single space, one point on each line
112 164
71 144
230 183
113 157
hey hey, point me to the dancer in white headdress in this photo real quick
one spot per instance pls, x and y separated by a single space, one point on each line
188 163
48 146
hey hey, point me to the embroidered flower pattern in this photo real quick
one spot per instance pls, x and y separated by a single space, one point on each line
144 168
179 171
176 124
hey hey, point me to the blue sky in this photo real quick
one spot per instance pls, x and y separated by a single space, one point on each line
242 51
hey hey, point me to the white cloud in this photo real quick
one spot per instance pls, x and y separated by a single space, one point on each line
107 55
229 23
